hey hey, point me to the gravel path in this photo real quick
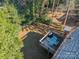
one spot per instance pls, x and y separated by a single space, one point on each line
32 48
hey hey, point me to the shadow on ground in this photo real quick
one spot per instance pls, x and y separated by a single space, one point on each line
32 48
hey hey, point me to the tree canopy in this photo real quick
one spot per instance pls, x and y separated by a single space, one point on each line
10 44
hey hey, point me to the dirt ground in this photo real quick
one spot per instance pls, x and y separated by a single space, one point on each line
32 48
40 28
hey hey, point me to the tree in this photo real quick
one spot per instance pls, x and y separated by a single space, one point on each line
10 44
36 11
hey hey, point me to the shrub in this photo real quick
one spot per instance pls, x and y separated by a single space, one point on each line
10 44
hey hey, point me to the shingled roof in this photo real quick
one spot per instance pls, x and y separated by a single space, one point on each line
69 49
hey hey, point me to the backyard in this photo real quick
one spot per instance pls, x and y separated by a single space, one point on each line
24 22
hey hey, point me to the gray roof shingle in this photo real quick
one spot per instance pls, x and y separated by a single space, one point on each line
69 48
